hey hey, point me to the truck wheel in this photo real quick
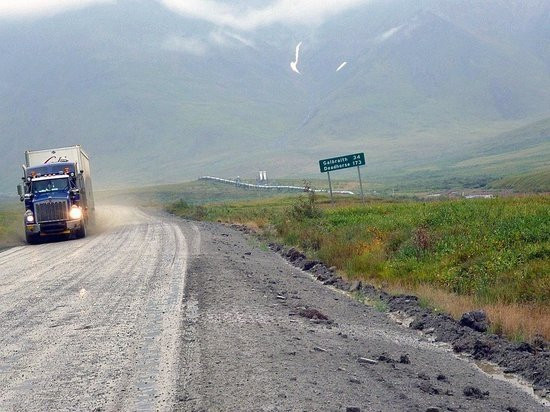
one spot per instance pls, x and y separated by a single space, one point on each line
81 232
31 239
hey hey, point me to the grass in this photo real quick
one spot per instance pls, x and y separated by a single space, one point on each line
535 181
520 321
11 226
376 303
456 255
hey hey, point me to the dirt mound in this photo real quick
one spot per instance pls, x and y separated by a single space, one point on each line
312 314
468 335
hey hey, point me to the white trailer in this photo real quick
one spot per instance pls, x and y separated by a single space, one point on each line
65 154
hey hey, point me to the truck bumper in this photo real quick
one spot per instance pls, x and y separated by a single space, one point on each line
63 227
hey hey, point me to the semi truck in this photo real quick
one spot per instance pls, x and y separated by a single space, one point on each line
57 193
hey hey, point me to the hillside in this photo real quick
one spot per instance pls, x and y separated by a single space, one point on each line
538 181
159 97
514 152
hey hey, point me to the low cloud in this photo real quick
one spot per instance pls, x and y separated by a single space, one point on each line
40 8
199 47
278 11
226 15
187 45
227 38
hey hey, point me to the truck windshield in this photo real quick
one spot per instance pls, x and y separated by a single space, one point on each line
52 185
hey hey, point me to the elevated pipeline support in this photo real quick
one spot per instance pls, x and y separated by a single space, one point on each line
271 187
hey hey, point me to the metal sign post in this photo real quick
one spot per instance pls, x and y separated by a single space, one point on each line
361 185
343 162
330 188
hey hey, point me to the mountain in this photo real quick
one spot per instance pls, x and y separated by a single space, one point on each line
518 159
519 151
155 96
537 181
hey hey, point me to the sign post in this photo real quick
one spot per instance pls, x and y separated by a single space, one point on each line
361 185
330 188
343 162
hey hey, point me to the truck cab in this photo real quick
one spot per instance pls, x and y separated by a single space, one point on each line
58 200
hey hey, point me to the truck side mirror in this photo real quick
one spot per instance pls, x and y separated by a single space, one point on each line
20 192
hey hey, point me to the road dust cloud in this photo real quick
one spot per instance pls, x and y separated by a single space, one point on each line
108 217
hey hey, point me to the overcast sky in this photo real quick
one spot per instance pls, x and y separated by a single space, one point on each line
216 12
39 8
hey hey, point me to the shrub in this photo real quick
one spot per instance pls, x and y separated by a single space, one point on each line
305 206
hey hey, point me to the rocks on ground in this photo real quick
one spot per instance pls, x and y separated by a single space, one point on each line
473 392
477 320
313 314
469 335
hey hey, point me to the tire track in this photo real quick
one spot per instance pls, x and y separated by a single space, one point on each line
75 339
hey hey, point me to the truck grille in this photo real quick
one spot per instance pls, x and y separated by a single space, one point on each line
51 211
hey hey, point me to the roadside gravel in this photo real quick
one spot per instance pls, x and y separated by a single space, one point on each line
262 334
467 336
157 313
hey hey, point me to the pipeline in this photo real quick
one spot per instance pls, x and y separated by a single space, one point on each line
272 187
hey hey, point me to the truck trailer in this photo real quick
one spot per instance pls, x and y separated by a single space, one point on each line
57 193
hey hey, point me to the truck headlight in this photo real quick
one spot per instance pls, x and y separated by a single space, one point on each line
75 213
29 217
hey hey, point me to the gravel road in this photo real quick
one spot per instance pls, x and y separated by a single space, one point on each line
154 313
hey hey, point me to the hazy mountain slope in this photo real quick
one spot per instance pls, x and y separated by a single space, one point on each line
537 181
531 136
156 97
515 152
426 81
518 159
135 105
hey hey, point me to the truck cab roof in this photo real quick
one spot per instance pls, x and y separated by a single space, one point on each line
52 177
51 169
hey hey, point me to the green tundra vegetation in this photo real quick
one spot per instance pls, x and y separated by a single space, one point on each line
10 226
535 181
493 249
489 251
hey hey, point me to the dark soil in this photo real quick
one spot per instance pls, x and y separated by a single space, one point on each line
467 336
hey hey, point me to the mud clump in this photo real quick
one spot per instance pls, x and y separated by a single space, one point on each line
482 349
386 358
442 378
525 347
477 320
294 255
473 392
404 359
428 388
468 335
312 314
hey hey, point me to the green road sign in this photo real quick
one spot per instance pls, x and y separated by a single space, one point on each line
342 162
